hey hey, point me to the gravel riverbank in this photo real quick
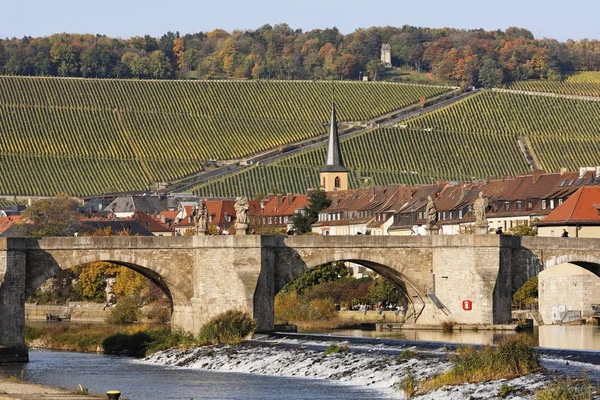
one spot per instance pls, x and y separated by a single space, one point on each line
10 389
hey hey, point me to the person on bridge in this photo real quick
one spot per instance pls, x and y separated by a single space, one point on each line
565 233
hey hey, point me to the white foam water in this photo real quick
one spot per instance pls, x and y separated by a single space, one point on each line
379 367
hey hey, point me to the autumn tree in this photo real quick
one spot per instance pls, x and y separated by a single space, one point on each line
57 216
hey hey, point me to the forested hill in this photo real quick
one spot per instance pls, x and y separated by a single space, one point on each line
468 57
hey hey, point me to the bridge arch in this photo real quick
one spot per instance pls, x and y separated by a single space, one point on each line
590 262
399 272
156 273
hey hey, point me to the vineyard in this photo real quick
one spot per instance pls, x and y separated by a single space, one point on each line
563 132
580 84
383 156
91 136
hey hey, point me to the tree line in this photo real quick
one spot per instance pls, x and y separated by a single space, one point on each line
468 57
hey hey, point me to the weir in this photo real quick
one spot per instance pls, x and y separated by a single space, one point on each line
204 276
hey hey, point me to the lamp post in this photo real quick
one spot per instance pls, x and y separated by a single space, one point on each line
262 216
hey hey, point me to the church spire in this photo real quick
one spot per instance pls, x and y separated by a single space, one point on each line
334 162
333 176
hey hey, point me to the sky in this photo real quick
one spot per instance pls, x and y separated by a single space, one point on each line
126 18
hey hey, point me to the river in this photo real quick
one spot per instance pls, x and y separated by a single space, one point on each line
261 372
143 381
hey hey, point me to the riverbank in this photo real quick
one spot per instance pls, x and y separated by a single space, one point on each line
11 389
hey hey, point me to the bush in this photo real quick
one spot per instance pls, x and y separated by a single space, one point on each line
567 389
125 312
230 327
160 314
407 385
335 349
512 358
320 309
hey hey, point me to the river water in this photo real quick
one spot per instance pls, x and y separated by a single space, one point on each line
142 381
225 376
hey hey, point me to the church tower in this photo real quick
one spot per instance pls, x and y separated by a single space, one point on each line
333 176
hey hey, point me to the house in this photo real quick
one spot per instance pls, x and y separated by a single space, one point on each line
126 206
579 215
152 224
277 211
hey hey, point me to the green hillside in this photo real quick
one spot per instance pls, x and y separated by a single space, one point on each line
477 137
384 156
90 136
563 132
580 84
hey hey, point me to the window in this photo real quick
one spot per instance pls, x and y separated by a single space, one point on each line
552 204
336 183
444 215
451 215
519 206
460 214
543 204
529 205
506 205
228 218
560 201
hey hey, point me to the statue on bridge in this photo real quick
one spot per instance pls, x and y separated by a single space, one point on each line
241 220
479 209
200 215
431 213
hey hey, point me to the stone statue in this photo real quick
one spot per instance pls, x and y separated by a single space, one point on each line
241 219
431 214
479 209
200 215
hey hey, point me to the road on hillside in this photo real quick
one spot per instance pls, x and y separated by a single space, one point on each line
274 155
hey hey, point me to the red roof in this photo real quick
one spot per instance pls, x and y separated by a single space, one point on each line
7 222
581 208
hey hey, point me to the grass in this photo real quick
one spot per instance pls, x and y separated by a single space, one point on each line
336 349
512 358
408 385
568 389
230 327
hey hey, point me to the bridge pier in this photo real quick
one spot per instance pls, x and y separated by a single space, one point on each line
12 305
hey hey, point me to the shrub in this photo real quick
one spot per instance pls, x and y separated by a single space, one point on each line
125 312
505 390
567 389
290 308
319 309
447 326
230 327
512 358
335 349
407 385
160 314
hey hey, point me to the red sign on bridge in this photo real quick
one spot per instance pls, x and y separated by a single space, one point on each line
467 305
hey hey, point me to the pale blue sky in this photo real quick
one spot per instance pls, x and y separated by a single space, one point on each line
125 18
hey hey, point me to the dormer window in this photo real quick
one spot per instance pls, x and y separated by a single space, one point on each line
552 204
506 205
519 206
544 206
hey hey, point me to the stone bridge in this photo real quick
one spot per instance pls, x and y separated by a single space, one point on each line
206 275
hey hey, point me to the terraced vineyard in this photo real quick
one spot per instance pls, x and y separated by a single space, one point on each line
563 132
89 136
580 84
384 156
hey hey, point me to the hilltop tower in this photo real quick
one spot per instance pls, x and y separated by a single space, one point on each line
386 55
333 176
